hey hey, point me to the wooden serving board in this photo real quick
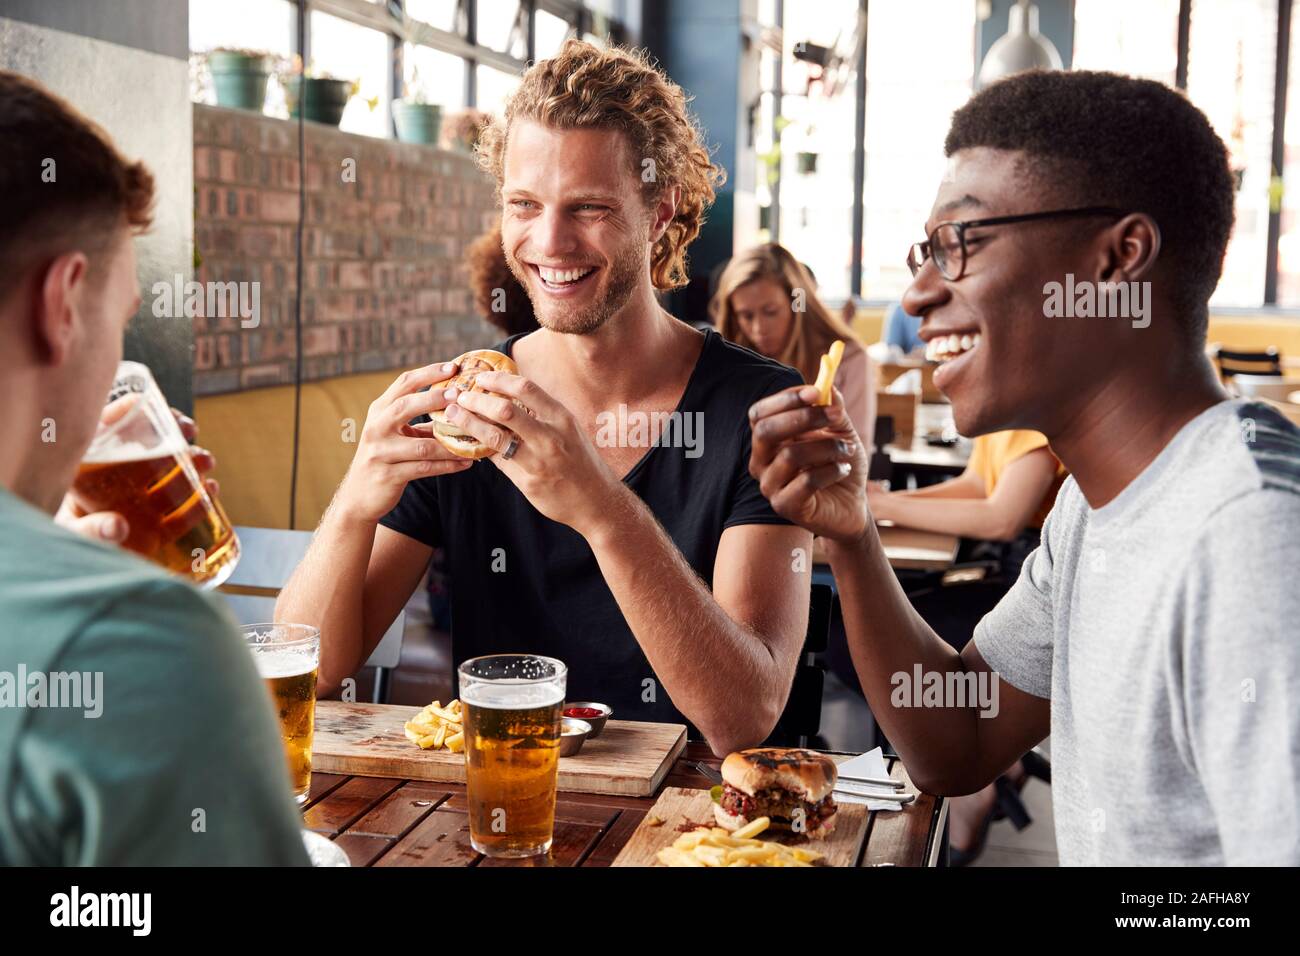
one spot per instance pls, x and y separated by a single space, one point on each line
678 805
630 757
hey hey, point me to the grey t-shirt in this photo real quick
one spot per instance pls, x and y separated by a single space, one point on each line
1165 629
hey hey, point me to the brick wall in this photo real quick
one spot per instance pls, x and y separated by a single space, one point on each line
384 282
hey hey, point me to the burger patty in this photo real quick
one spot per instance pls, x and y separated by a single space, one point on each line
776 803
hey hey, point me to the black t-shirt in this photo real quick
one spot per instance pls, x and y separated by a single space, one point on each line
522 583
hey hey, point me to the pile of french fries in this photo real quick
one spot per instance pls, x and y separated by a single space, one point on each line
716 847
437 727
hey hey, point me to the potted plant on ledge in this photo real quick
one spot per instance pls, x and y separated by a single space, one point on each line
417 120
239 77
322 97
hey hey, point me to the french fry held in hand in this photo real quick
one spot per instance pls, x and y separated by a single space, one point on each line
826 376
714 846
437 727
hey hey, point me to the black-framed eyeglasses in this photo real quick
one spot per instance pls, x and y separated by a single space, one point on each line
947 242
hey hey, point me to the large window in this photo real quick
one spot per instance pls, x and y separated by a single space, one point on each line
266 25
357 40
909 106
1230 76
551 32
347 51
1288 247
907 113
500 27
1140 39
439 77
443 14
494 87
1230 69
817 150
1231 73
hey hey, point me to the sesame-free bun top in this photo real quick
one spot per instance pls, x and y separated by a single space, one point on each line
806 774
454 438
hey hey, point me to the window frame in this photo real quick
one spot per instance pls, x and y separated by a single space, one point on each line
388 19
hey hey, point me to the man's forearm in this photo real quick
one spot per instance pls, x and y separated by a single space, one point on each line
967 517
694 647
326 590
886 637
964 485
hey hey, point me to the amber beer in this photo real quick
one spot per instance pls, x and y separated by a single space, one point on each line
173 521
139 465
512 706
288 659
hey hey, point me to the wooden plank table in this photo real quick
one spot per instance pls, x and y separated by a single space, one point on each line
382 821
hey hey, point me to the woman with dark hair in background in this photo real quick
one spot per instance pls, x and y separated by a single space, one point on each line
767 301
498 296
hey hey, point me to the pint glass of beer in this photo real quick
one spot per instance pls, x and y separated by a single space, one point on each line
512 708
139 466
288 658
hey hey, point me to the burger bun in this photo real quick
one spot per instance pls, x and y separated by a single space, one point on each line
454 437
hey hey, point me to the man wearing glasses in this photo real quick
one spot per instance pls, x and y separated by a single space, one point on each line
1153 632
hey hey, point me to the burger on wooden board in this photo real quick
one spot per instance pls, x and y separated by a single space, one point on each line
791 787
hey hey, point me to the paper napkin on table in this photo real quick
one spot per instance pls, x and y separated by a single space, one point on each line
869 764
909 383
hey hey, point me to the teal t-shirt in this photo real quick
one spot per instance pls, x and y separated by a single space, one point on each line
163 747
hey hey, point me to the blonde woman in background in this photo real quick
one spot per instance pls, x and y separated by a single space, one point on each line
766 301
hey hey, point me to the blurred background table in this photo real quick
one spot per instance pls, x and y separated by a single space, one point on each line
906 548
917 455
911 550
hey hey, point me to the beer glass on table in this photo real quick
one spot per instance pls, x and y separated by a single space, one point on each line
139 465
288 660
511 705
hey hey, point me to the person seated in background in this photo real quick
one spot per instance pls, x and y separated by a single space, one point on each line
498 296
173 718
902 331
655 569
1153 632
1003 496
767 301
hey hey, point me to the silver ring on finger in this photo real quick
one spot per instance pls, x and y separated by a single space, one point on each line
510 449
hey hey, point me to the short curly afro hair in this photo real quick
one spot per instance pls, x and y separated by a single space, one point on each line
1097 138
586 87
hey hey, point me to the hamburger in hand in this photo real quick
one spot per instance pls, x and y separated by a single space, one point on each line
452 436
791 787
